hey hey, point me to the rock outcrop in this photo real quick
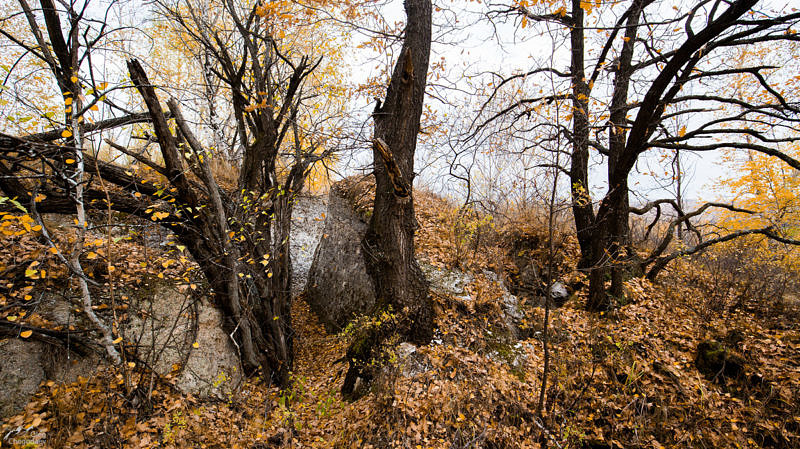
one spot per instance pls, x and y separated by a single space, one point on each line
20 374
26 363
339 287
172 333
179 331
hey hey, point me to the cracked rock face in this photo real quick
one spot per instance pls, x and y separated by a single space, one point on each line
339 288
308 219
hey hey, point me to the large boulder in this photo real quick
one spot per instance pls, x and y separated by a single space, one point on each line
170 331
339 287
308 218
177 332
26 363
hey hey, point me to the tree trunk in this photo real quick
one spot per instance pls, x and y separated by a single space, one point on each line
582 208
254 298
388 244
609 248
389 241
612 231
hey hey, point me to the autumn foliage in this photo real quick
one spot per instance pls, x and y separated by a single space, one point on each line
523 308
628 380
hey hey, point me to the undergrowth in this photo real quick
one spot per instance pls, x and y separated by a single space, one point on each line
625 379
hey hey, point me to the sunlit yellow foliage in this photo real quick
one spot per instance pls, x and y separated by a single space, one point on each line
771 189
298 30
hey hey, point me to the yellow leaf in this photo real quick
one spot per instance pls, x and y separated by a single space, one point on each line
682 131
195 345
69 161
94 108
74 79
132 364
92 255
11 318
117 341
25 334
159 216
68 101
66 133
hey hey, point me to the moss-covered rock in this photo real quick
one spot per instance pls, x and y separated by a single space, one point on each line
716 361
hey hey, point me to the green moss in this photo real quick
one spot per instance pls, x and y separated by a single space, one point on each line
503 344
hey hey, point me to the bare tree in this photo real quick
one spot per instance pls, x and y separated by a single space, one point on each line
645 83
239 237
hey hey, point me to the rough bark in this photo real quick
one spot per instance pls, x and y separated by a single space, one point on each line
388 245
582 208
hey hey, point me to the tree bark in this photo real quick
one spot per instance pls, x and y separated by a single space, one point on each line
389 241
388 245
582 208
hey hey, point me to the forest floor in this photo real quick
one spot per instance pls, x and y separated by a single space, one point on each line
627 379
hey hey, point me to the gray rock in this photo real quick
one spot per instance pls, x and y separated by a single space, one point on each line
166 338
339 287
165 333
213 368
410 362
26 363
451 282
559 293
308 218
20 374
511 309
63 366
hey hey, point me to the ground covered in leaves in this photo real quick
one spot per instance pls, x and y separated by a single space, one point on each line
628 379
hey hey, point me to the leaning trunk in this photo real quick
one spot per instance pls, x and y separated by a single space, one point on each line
389 240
